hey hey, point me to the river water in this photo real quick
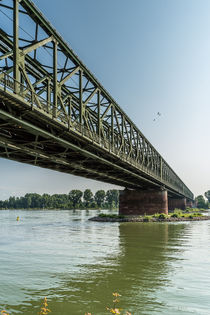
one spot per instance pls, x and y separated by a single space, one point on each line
158 268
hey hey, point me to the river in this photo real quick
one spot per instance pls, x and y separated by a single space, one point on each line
158 268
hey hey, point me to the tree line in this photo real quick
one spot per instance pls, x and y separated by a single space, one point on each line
75 199
201 202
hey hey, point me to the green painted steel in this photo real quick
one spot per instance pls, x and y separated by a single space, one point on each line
55 114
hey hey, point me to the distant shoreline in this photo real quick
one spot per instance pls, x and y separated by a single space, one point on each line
43 209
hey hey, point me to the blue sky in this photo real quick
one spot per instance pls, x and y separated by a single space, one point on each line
152 56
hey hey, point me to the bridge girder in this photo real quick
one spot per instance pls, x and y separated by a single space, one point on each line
44 82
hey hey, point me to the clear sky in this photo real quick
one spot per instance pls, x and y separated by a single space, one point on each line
152 56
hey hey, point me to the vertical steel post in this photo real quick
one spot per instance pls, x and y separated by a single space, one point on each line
161 168
69 112
80 98
99 114
16 70
123 136
48 95
137 147
55 81
22 84
112 127
131 137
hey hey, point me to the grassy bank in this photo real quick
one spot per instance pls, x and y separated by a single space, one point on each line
176 215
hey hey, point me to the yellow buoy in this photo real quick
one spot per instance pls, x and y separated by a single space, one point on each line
18 218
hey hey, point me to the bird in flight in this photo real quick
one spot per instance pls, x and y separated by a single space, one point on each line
158 114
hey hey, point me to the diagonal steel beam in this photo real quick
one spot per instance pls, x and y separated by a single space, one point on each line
69 76
37 45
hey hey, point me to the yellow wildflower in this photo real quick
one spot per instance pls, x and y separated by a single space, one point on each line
116 294
114 310
44 310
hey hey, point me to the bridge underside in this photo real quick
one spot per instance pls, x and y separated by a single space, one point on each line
29 137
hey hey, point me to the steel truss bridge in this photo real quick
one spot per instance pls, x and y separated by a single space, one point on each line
55 114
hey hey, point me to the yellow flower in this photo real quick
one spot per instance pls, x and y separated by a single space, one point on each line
44 310
116 294
4 312
113 310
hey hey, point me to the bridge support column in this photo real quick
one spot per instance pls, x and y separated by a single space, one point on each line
179 203
139 202
189 204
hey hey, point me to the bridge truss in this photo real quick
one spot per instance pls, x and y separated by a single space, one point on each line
55 114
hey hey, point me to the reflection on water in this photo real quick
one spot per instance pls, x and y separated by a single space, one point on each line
156 267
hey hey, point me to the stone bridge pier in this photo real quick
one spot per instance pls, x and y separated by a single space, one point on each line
190 203
179 203
140 202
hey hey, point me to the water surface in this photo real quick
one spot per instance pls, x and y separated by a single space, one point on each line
158 268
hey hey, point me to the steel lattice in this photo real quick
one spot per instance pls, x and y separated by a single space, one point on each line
47 95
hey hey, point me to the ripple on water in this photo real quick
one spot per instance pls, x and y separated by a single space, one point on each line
77 264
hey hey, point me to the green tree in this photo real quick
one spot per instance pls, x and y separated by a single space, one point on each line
60 201
27 201
88 197
112 198
36 201
99 197
5 204
46 201
75 196
12 202
207 195
1 204
200 201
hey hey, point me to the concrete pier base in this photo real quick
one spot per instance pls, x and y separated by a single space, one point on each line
140 202
189 204
179 203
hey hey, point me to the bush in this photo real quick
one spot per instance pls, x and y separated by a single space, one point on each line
102 215
162 216
146 219
198 214
174 215
178 212
188 209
